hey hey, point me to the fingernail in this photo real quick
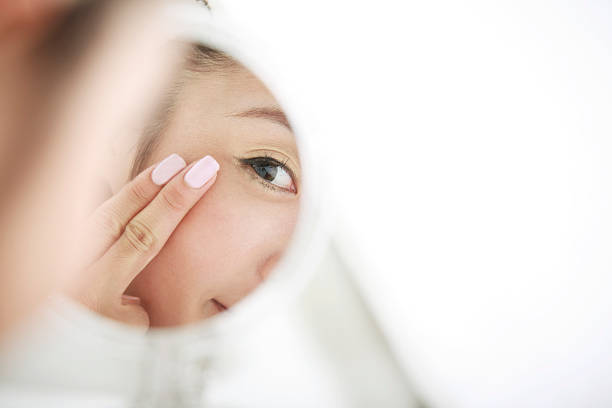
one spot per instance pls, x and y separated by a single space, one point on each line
167 169
130 300
201 172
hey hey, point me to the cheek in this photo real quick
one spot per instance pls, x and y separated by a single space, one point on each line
224 245
235 234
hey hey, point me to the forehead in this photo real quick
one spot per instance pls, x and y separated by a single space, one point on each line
229 107
225 92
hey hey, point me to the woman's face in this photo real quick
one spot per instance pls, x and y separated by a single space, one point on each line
228 243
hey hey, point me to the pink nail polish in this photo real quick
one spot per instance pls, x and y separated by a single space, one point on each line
167 169
201 172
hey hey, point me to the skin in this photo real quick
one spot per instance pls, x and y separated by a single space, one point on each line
55 91
232 237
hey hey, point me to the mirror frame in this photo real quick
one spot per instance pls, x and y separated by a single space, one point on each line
195 23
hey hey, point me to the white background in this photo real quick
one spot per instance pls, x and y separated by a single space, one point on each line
468 150
465 149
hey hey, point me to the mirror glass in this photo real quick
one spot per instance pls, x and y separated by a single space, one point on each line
230 241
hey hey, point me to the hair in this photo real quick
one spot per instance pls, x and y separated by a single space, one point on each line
200 59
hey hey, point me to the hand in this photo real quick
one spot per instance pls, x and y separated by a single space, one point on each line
66 90
126 232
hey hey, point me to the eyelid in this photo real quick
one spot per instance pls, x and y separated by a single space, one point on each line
249 161
289 160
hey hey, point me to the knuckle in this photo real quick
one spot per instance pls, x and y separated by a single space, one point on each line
110 225
140 237
139 193
173 198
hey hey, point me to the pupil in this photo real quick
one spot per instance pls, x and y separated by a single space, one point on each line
266 172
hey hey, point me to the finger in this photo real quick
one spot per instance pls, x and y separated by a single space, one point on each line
28 12
107 223
65 111
128 312
148 231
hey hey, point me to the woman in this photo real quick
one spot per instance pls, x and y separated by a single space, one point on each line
185 242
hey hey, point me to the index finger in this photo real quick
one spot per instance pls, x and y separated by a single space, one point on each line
108 221
146 233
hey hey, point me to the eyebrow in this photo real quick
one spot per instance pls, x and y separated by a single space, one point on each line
271 113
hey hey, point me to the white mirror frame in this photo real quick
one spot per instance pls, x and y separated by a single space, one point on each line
195 23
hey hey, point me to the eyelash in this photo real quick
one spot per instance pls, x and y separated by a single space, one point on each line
249 162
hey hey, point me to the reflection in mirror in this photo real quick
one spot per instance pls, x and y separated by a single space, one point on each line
216 115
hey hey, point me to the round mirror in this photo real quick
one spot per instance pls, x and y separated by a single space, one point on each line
214 220
204 195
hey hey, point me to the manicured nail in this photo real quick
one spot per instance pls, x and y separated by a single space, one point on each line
201 172
167 169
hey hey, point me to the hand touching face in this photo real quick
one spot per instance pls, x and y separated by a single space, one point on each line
231 239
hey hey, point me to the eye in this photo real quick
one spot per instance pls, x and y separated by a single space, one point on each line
272 171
